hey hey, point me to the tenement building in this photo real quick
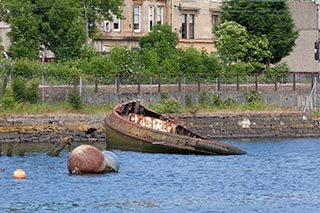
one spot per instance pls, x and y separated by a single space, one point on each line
192 20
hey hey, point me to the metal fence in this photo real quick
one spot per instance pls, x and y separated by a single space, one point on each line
103 88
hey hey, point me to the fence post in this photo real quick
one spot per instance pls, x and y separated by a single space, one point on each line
159 83
238 82
96 84
199 79
139 82
179 83
42 89
256 81
218 78
294 81
275 82
118 84
312 77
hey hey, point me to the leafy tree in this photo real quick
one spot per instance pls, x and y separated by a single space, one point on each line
96 10
56 25
123 61
237 47
264 18
190 61
25 41
162 39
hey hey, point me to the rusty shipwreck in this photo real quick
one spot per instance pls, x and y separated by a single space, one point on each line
133 127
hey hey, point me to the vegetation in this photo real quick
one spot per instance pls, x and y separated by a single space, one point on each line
42 25
269 19
241 52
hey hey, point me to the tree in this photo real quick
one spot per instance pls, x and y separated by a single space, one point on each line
162 39
62 26
264 18
237 47
96 10
25 41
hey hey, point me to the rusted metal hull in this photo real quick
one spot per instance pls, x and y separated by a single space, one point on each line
121 133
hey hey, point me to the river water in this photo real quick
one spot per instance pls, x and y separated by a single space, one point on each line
275 176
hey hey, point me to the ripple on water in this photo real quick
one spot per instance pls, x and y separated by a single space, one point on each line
275 176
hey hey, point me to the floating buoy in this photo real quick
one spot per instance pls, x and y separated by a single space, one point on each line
89 159
19 174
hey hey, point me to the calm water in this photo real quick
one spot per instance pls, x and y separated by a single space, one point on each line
275 176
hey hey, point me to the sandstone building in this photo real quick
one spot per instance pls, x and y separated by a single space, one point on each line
193 21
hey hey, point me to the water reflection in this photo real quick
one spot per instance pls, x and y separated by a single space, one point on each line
275 176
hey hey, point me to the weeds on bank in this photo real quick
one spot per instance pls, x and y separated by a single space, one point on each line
166 104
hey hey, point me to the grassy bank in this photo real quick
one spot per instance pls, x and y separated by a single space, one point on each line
65 108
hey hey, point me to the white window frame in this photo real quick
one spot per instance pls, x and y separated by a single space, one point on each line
107 26
116 20
150 18
191 26
160 10
137 18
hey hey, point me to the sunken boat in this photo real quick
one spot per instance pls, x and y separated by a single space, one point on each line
133 127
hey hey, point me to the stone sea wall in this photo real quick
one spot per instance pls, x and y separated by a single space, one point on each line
89 128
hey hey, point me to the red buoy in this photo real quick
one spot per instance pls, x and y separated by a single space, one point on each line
86 159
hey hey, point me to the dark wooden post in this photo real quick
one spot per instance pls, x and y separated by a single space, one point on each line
21 150
179 83
218 82
10 150
238 82
159 83
96 84
256 81
199 86
294 81
312 77
118 83
139 82
275 82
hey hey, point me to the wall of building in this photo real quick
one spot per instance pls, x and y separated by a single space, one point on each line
301 59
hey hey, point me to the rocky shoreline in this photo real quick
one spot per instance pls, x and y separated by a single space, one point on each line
89 128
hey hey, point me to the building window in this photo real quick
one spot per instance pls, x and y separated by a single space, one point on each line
150 17
214 21
187 26
191 26
116 24
160 15
184 26
137 17
107 25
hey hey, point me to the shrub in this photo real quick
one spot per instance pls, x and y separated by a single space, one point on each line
24 91
280 71
7 100
168 105
254 99
19 89
74 99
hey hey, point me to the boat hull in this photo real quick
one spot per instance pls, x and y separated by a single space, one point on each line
125 135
